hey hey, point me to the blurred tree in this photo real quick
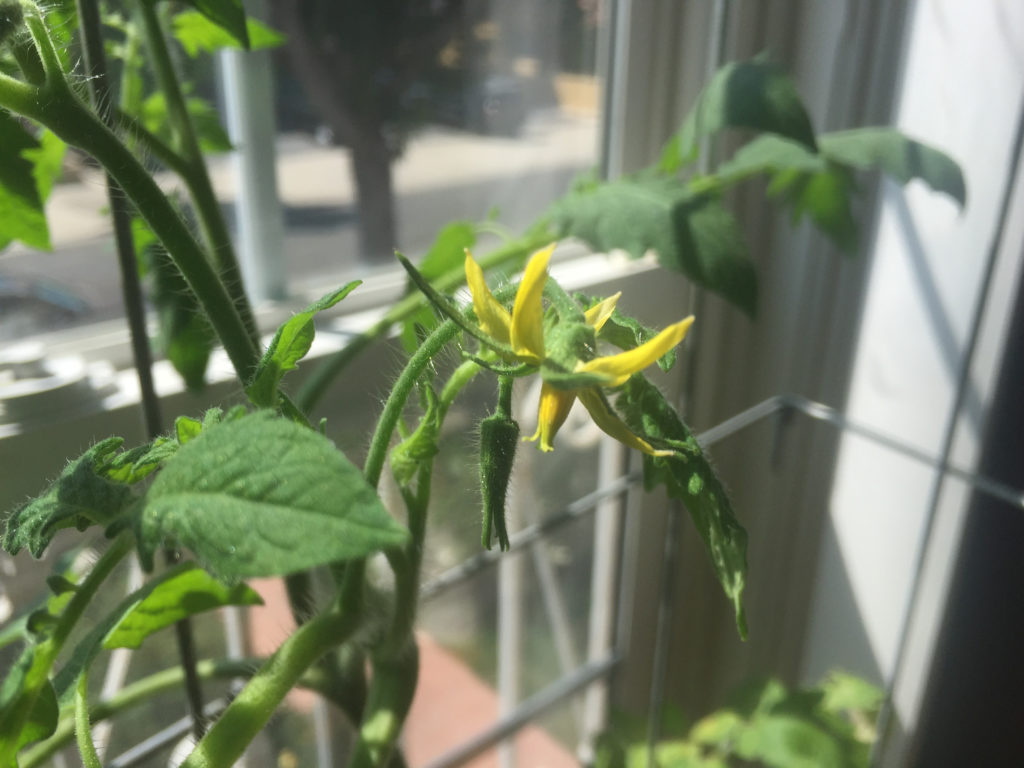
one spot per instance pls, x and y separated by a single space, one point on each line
357 61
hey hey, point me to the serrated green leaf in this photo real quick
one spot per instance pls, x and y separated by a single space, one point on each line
688 476
229 15
198 34
755 95
21 208
262 496
290 344
691 234
899 156
133 465
190 592
80 497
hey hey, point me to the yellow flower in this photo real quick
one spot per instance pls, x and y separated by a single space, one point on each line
523 331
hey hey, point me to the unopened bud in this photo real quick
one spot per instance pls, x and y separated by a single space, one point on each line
499 436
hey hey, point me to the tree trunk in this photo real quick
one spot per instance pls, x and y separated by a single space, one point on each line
320 71
371 171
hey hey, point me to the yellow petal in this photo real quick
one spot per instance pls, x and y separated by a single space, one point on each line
598 314
527 333
618 368
612 425
494 319
555 405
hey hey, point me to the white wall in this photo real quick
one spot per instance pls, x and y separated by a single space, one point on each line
961 91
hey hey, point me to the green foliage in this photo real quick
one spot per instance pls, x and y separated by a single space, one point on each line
135 464
177 593
212 137
755 95
191 591
261 496
896 155
290 344
82 496
690 233
198 34
764 724
21 195
229 15
820 184
687 475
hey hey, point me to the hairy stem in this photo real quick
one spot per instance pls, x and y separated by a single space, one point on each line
196 178
83 731
249 712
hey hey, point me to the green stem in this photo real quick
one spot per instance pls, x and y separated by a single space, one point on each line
165 681
249 712
57 108
391 694
83 731
316 385
196 178
45 653
418 363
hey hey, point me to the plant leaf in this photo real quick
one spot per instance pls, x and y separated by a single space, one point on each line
767 154
211 134
191 591
133 465
692 234
42 719
80 497
229 15
21 208
688 476
448 250
825 197
897 155
198 34
263 496
47 162
756 95
290 344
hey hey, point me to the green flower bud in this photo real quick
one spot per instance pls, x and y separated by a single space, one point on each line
499 436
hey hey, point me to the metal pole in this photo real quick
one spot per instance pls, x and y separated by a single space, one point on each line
247 87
